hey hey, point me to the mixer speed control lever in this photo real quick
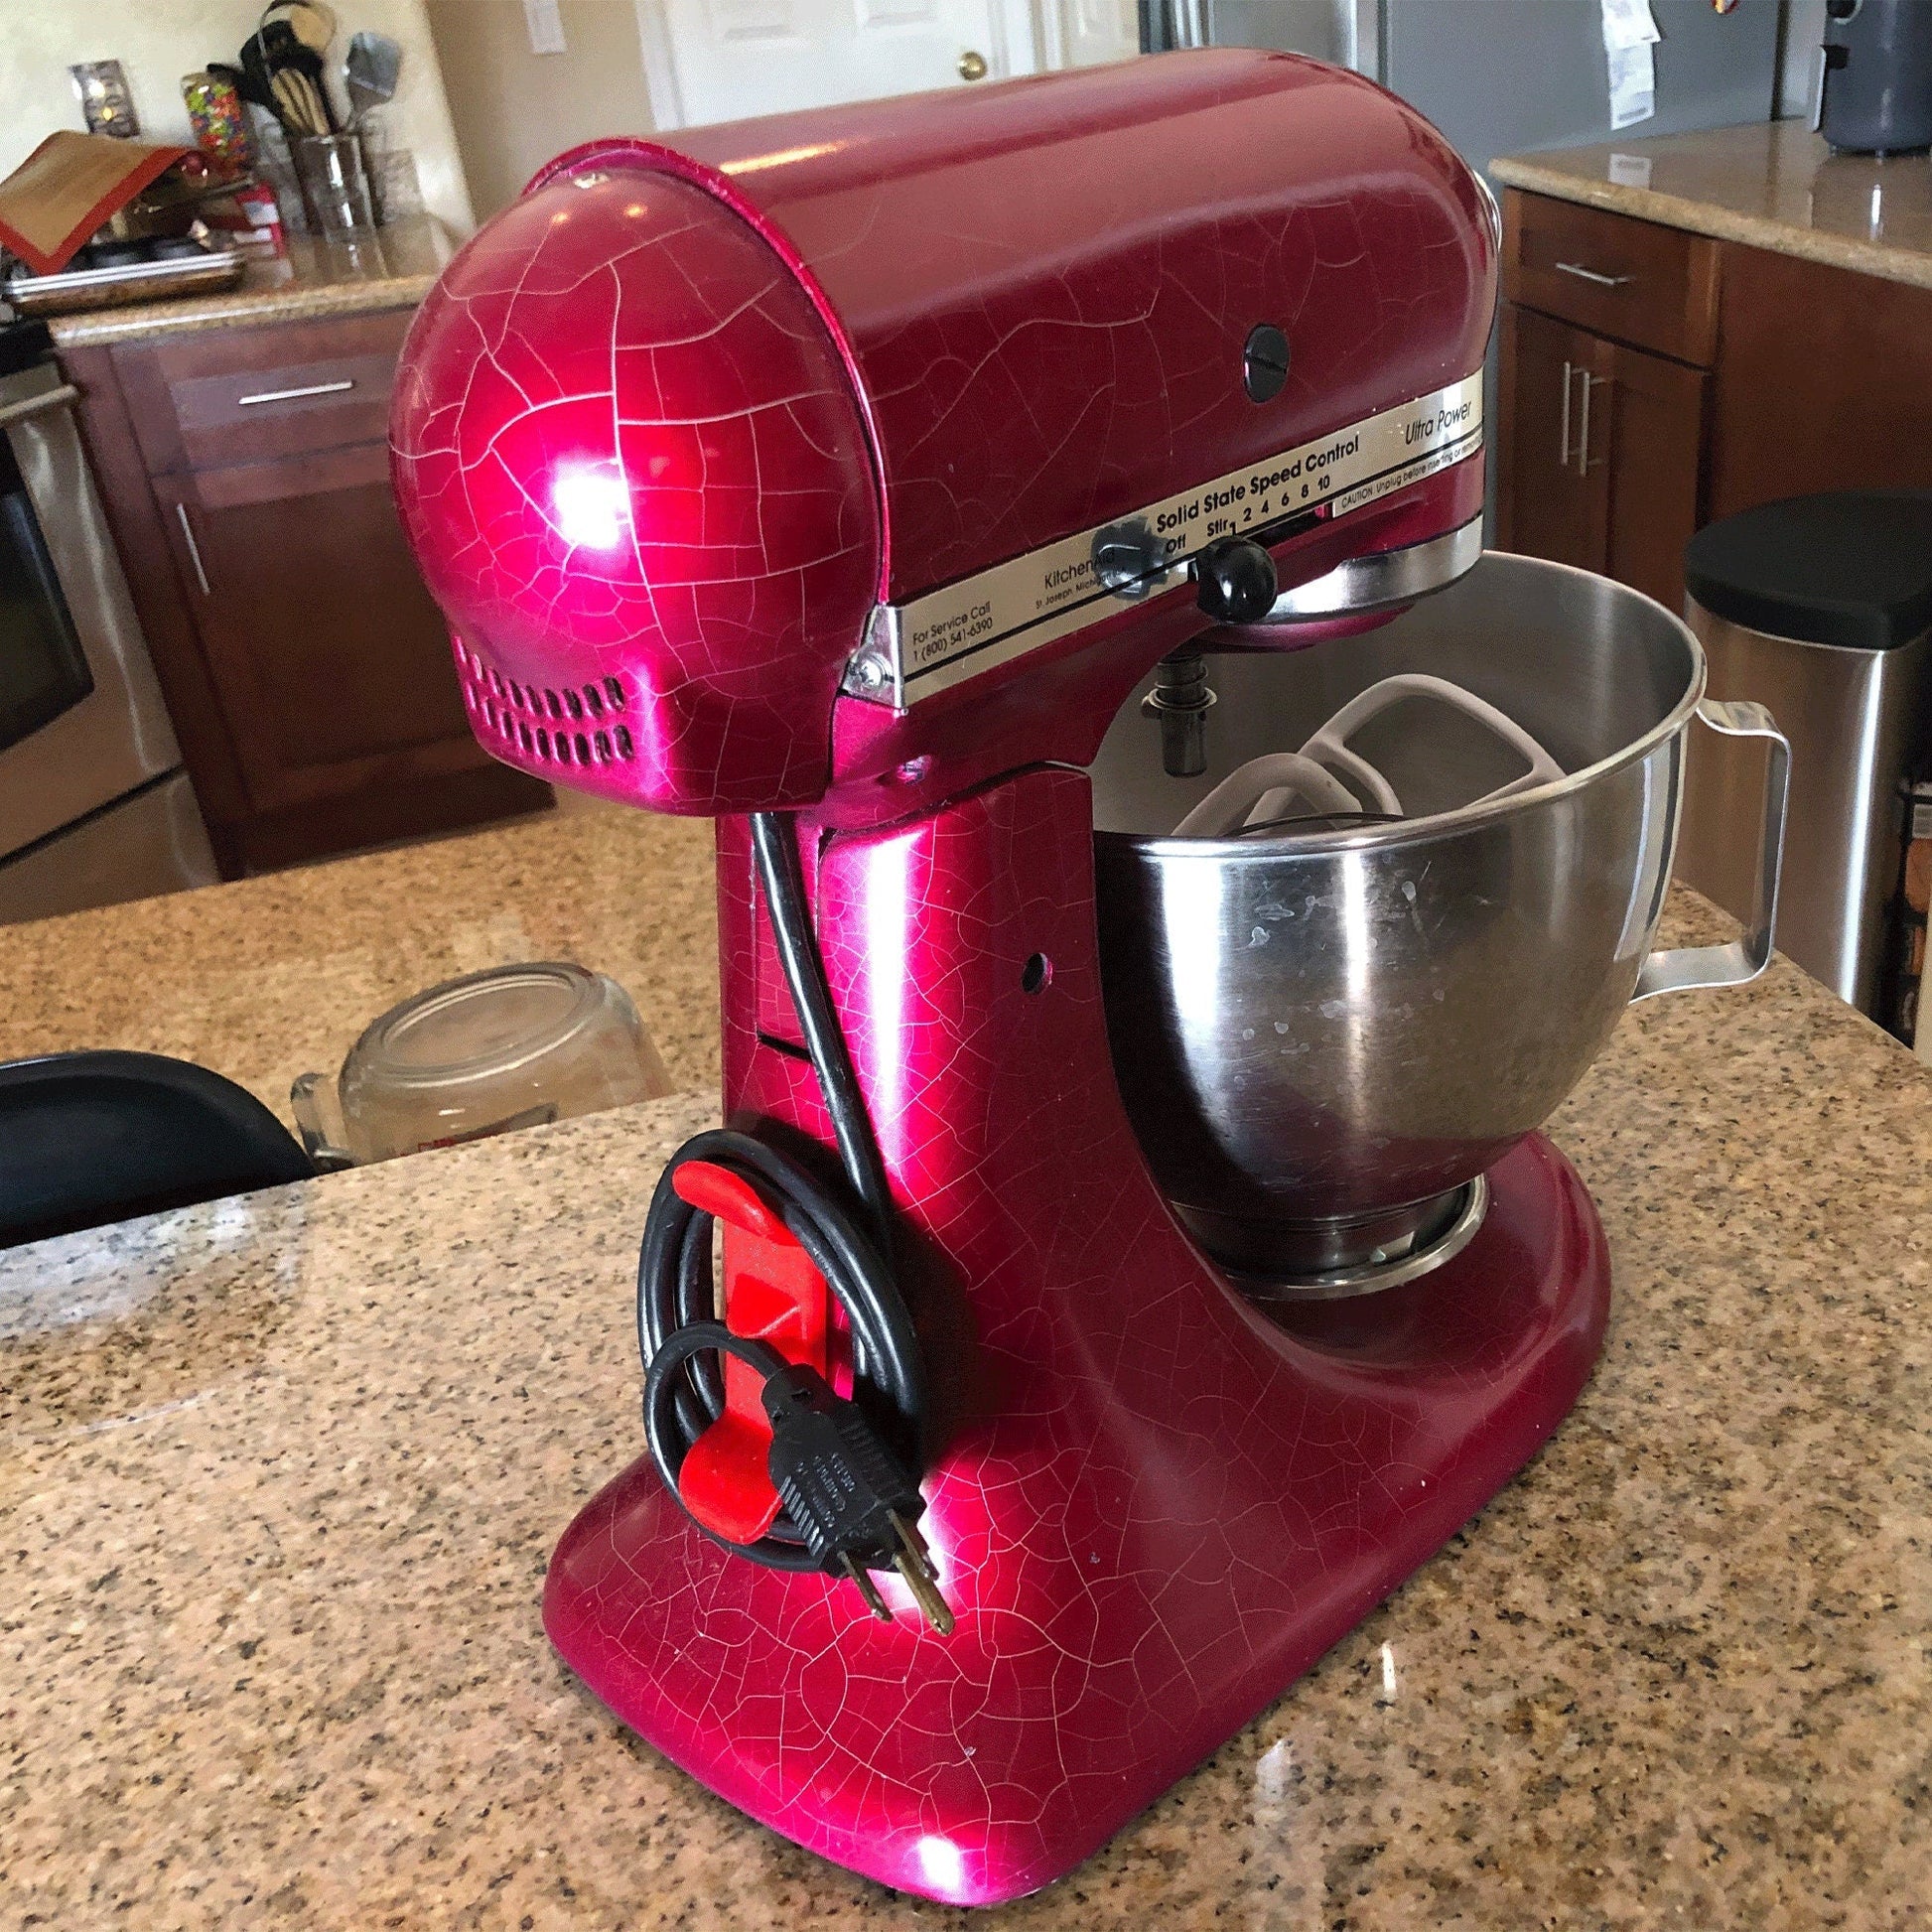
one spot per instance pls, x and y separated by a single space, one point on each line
1234 580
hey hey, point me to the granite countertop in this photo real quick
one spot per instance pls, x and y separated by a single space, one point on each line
1771 185
323 275
271 977
279 1478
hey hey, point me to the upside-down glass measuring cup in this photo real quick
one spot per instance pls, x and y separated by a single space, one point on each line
510 1047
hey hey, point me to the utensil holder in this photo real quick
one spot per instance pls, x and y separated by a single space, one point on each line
334 182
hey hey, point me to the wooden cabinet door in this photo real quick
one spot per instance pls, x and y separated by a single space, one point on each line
329 658
1824 382
1648 430
1553 499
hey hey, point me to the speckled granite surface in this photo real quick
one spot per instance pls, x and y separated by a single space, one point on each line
323 275
272 977
1770 185
278 1480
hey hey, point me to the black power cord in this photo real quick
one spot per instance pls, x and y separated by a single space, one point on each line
848 1472
783 880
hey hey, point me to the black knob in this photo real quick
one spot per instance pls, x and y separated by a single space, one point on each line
1264 363
1235 581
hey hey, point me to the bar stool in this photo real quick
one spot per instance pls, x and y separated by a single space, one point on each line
98 1137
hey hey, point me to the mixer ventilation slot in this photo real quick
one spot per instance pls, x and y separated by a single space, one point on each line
570 725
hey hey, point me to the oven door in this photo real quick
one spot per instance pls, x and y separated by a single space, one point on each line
81 720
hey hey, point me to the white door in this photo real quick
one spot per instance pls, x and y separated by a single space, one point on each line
725 59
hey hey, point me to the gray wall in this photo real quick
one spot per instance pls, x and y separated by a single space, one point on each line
1804 29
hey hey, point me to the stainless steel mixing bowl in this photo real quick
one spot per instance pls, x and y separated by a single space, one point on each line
1324 1036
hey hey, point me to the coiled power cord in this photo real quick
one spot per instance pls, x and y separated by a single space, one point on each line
849 1240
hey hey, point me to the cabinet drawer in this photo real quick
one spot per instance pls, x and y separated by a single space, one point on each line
1633 281
241 395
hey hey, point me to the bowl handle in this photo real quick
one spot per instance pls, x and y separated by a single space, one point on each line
306 1103
1686 968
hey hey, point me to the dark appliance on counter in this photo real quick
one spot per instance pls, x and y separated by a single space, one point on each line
1875 76
94 806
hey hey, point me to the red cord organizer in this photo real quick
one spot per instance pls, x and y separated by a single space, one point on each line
772 1292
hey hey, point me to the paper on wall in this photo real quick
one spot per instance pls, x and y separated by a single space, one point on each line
1628 23
1630 33
1634 84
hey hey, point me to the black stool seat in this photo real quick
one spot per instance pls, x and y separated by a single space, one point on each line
91 1138
1853 569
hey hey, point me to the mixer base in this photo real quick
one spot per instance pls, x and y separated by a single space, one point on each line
1154 1507
1098 1656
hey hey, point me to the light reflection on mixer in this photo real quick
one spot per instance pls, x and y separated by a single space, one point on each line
1350 1040
591 508
889 972
943 1863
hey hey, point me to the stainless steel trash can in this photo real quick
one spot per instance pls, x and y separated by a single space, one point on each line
1821 609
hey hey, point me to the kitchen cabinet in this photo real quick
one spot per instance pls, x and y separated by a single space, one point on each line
1606 323
1600 447
1653 380
244 472
1554 499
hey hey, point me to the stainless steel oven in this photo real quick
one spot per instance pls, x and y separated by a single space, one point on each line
93 804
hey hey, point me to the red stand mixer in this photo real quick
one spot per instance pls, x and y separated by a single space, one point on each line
842 475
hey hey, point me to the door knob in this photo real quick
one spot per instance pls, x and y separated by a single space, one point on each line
972 66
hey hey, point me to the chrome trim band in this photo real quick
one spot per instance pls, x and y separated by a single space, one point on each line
1382 579
1372 1277
918 648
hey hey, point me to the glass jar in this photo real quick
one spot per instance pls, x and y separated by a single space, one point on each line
511 1047
334 182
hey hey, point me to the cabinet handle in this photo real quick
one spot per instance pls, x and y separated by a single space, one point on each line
17 412
194 549
296 395
1563 451
1596 276
1583 440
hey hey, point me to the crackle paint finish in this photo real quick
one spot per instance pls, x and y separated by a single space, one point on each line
664 435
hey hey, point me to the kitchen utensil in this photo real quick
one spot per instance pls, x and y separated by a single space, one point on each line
334 182
296 99
288 74
1260 790
871 520
369 72
507 1048
1320 1036
311 22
